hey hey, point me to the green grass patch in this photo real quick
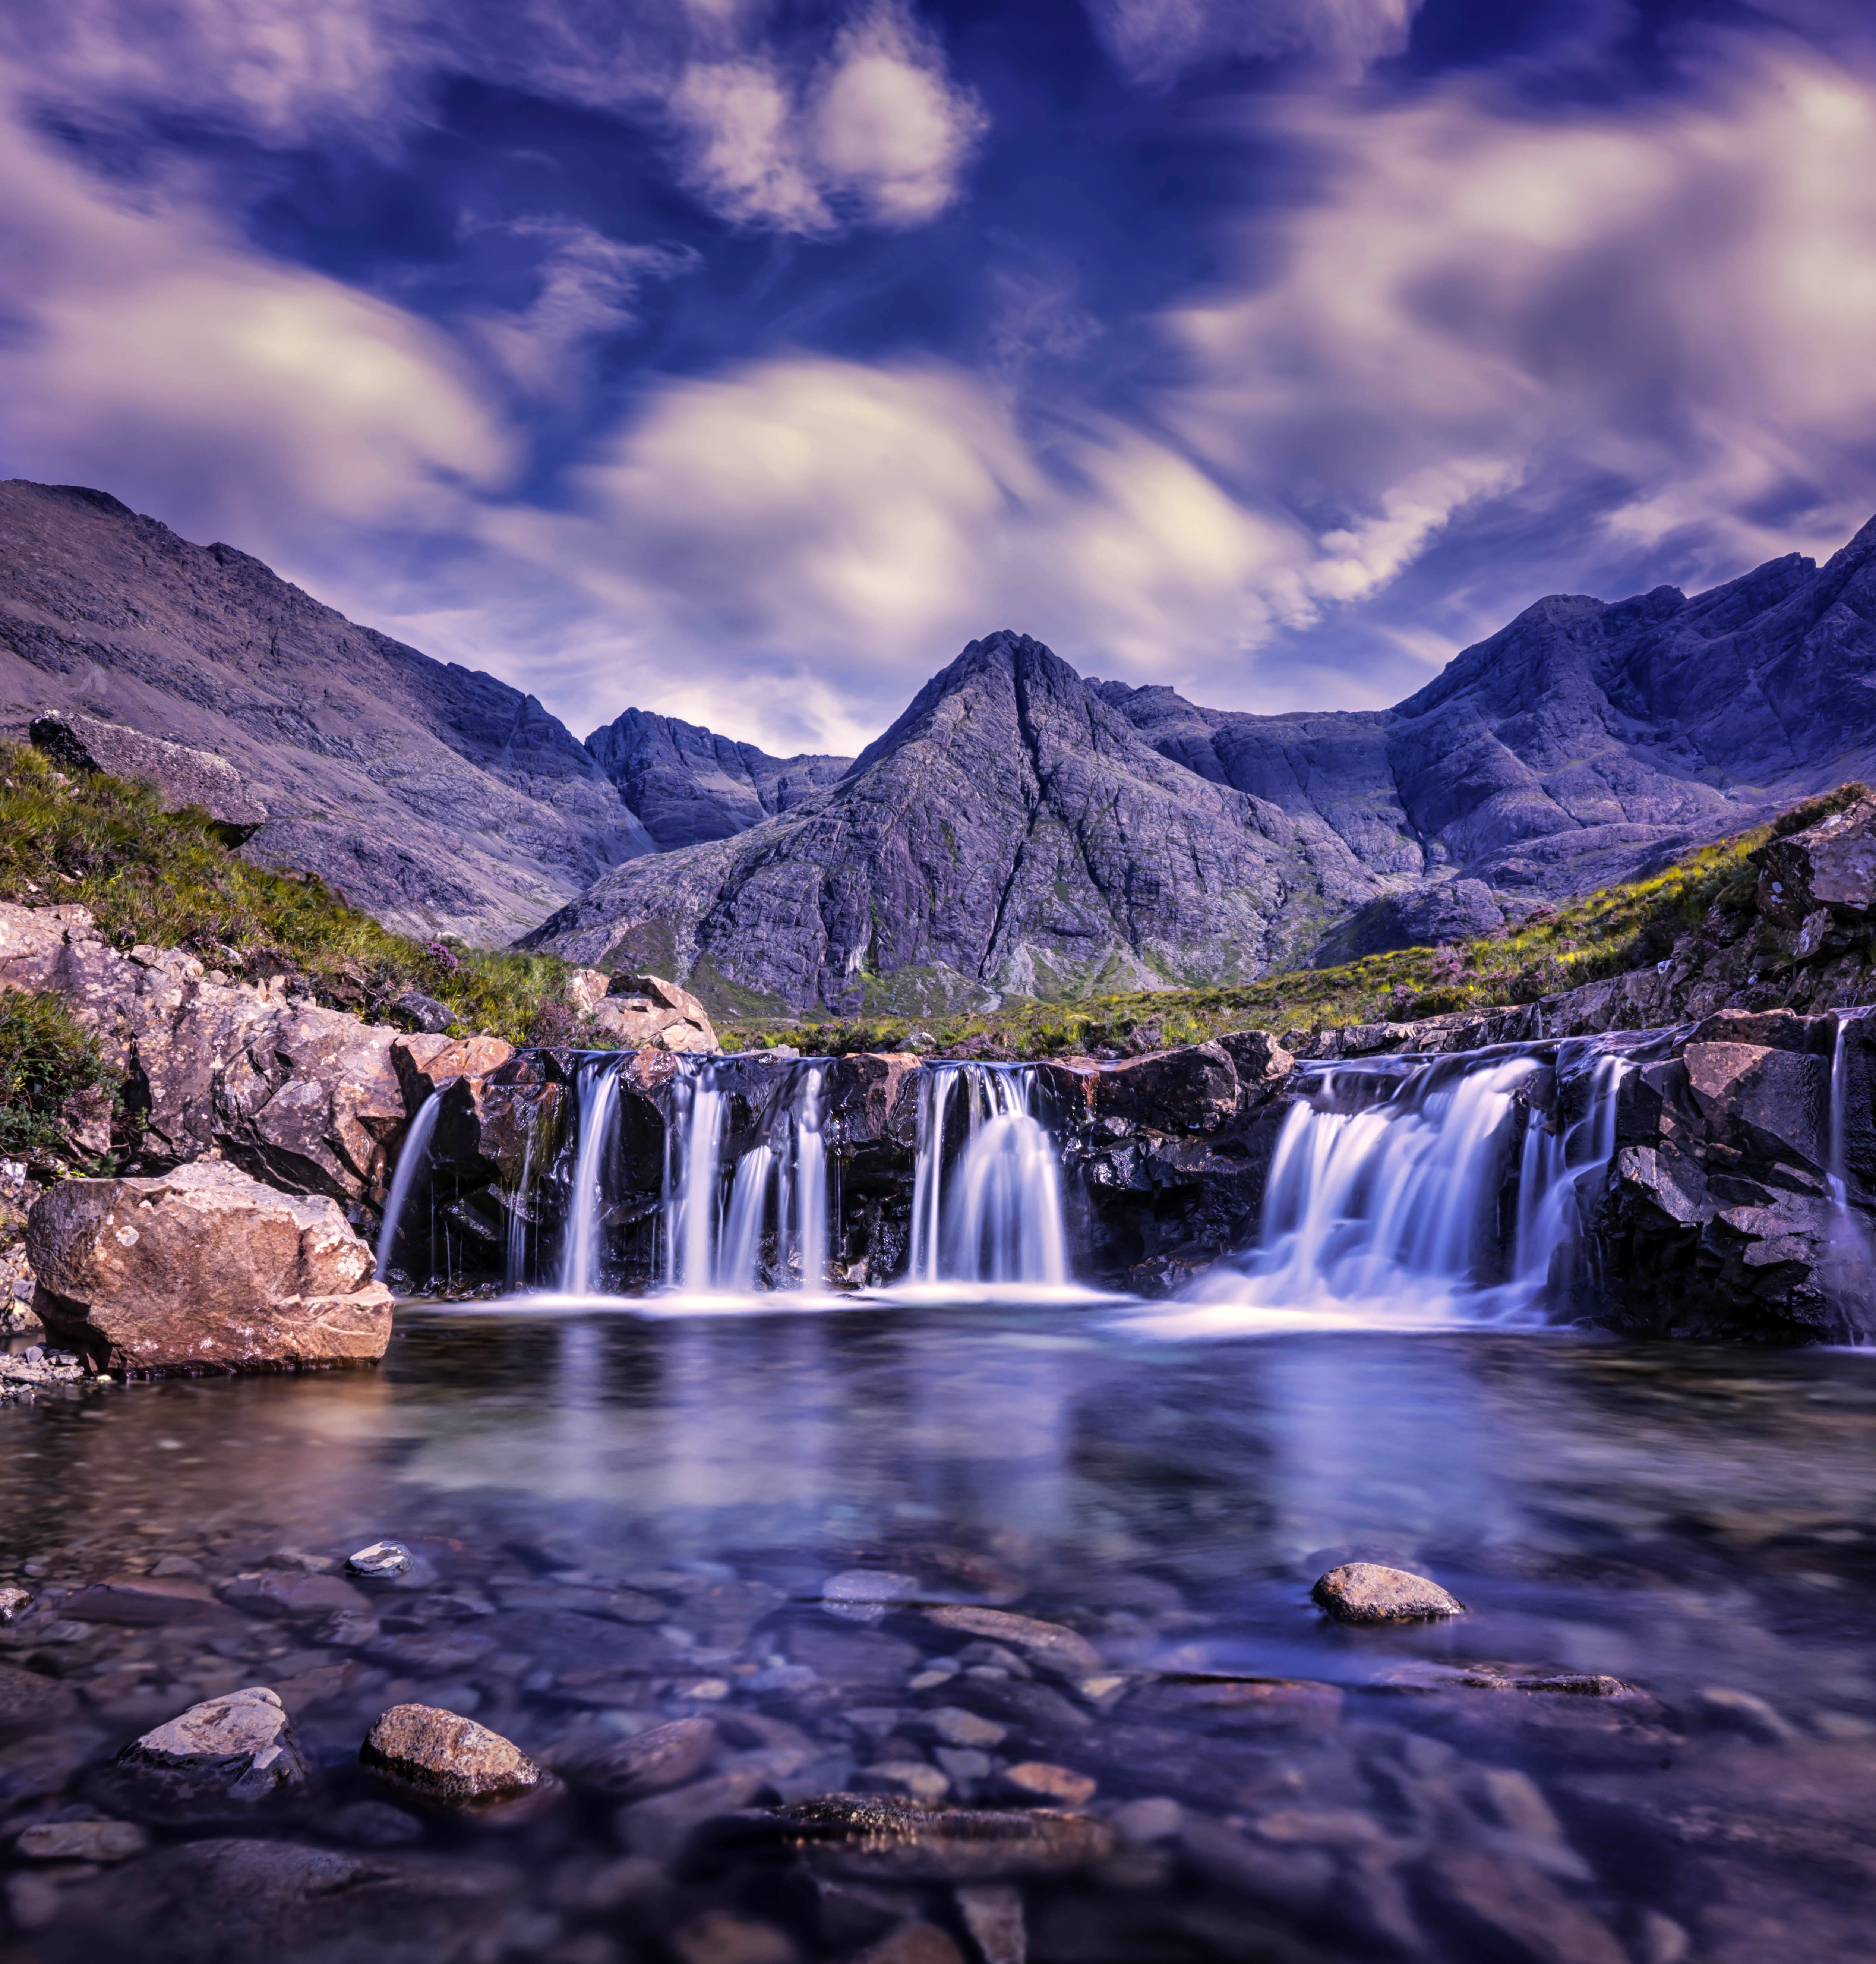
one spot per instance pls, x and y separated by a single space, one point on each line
45 1058
1608 933
168 879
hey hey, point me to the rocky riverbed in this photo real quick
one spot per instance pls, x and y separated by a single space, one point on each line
935 1637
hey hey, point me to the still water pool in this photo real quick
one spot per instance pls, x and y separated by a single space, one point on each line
1653 1736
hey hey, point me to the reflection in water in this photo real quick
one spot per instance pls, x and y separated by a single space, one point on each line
1695 1522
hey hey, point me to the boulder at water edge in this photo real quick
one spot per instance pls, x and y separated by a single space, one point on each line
203 1269
647 1012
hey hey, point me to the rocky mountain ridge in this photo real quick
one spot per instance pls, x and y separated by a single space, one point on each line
1022 831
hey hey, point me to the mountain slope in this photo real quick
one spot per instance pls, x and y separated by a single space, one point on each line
437 798
1584 740
686 784
1010 831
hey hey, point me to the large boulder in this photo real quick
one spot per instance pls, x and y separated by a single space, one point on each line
1829 867
203 1269
647 1012
305 1098
181 776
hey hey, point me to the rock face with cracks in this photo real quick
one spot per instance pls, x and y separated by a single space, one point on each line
203 1269
239 1747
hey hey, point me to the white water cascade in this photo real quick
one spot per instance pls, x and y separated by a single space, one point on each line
1850 1259
596 1089
992 1214
1414 1191
413 1158
778 1185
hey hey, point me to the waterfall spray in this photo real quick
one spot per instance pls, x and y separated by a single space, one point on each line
598 1102
413 1158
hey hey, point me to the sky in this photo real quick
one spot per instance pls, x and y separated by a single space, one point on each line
743 361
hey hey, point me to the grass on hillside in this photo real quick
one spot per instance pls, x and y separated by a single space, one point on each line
165 879
45 1058
1605 933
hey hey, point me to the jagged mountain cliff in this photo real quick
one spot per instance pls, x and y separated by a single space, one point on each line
1002 835
1011 830
437 798
1018 828
686 784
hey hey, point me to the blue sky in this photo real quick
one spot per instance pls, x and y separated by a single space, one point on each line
742 360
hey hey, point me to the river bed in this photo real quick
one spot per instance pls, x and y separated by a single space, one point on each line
1651 1737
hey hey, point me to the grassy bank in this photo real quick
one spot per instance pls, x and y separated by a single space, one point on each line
165 879
1608 933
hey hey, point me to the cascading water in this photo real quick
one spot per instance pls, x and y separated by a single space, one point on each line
1401 1193
992 1213
413 1158
1851 1258
597 1092
776 1186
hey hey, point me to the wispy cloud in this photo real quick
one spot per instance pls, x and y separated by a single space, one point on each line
1152 42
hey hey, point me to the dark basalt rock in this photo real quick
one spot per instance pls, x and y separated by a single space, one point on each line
688 785
872 1836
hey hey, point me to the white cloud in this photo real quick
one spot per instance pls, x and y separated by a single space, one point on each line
876 129
587 285
1152 42
161 359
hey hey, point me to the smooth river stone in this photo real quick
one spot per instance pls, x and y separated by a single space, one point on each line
1048 1645
446 1757
1364 1592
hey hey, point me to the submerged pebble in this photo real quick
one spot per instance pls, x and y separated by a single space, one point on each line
1364 1592
444 1757
380 1557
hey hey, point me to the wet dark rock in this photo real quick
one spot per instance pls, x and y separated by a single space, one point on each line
373 1823
379 1559
446 1758
1048 1645
273 1592
991 1914
1516 1906
852 1656
140 1600
1037 1780
872 1836
1194 1089
1364 1592
863 1596
81 1841
917 1943
230 1901
239 1747
1295 1880
649 1762
1255 1703
660 1827
721 1936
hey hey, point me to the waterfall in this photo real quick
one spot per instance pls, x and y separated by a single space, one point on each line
413 1158
597 1089
992 1215
1850 1258
1407 1190
776 1185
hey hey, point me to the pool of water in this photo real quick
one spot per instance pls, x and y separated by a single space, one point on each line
1651 1737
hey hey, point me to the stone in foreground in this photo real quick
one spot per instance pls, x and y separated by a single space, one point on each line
238 1747
1365 1592
446 1757
873 1838
382 1557
203 1269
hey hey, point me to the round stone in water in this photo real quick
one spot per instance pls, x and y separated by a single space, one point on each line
382 1557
